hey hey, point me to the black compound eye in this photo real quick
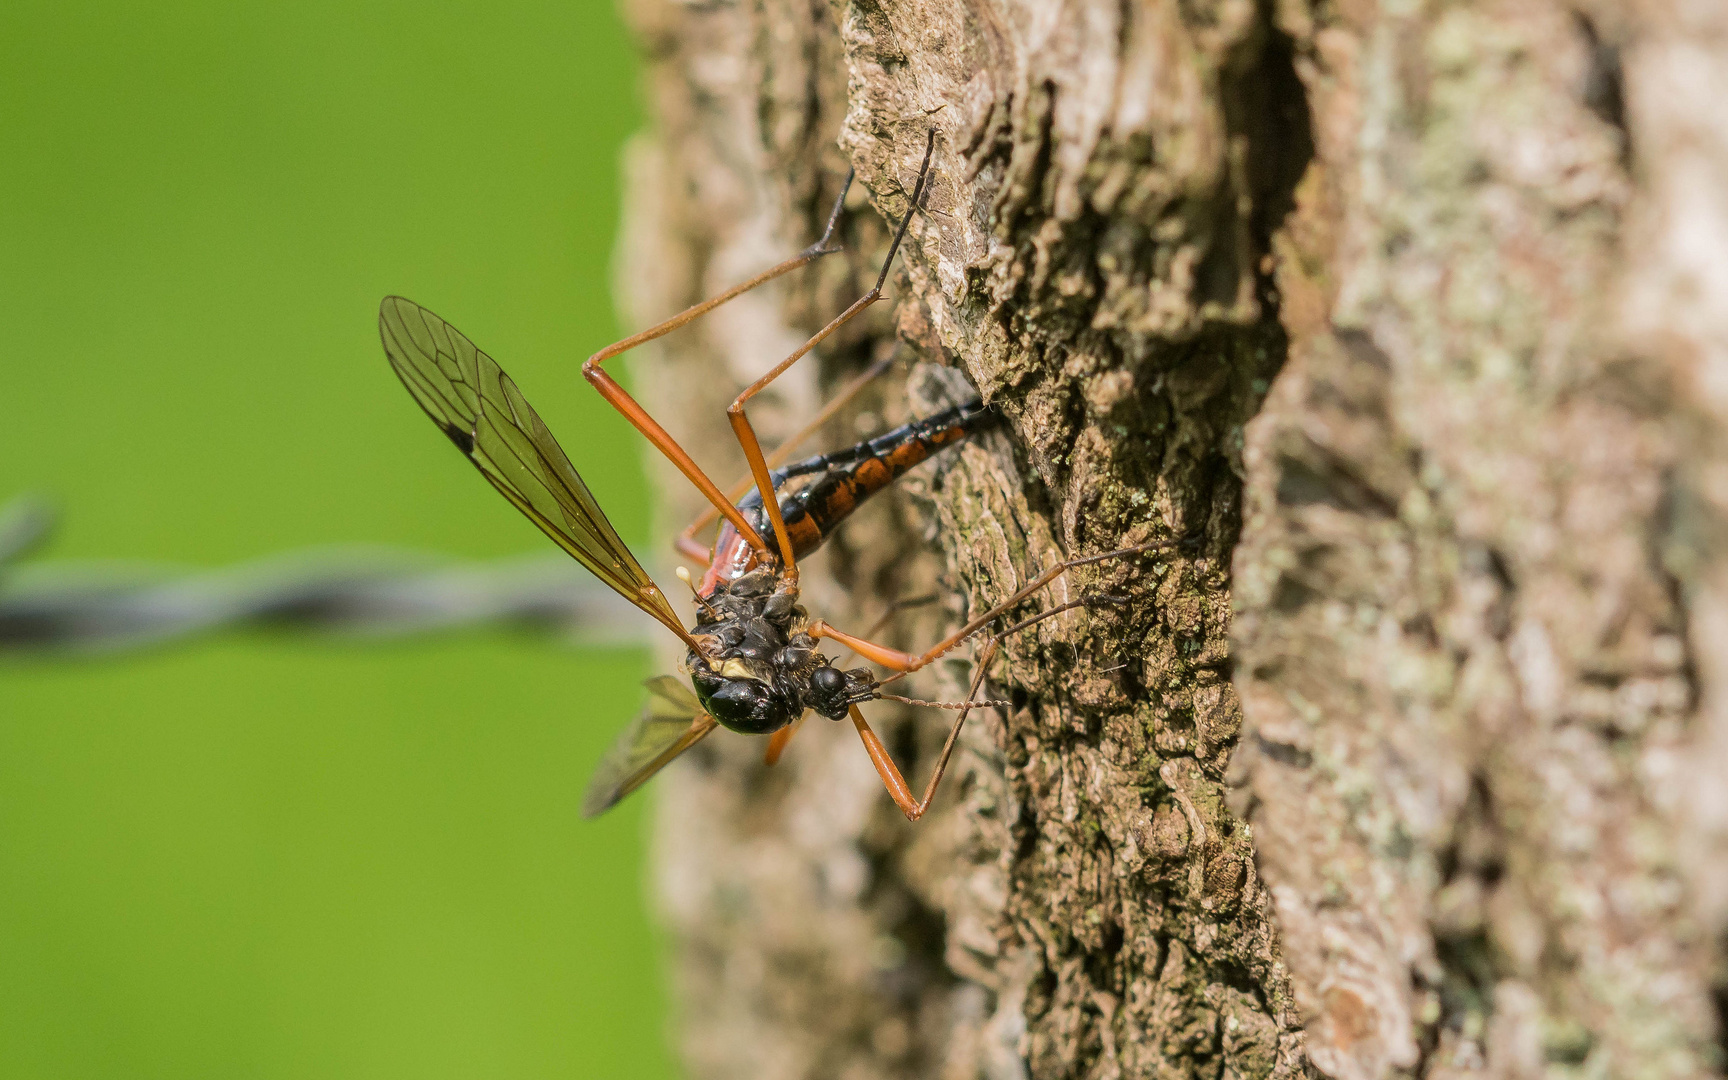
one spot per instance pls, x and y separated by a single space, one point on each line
828 692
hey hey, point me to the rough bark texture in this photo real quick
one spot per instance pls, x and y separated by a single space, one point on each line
1411 319
1471 684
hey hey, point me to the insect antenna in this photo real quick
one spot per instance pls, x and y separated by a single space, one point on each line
976 703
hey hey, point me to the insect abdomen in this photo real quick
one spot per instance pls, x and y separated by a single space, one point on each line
846 478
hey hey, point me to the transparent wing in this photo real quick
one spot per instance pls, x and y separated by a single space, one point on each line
671 723
480 409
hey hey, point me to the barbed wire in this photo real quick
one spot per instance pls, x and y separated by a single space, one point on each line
86 607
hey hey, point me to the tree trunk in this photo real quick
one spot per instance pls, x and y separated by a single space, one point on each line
1409 320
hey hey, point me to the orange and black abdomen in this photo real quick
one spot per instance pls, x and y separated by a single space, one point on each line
844 479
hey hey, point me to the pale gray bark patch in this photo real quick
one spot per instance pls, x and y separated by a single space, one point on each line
1469 675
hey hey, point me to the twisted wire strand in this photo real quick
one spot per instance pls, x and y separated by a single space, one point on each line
80 608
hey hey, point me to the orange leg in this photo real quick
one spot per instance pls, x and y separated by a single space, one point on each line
778 741
888 616
892 778
904 664
647 425
741 423
890 772
880 655
686 541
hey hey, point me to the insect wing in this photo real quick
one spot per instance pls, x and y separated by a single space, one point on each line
480 409
672 722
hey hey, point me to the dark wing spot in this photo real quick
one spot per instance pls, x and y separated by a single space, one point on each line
462 437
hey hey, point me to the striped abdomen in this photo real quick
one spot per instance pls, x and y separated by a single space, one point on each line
844 479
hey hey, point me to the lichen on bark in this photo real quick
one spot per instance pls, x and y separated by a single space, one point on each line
1464 660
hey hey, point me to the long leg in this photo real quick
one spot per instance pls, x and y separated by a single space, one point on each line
890 772
741 423
647 425
904 664
686 541
892 778
778 741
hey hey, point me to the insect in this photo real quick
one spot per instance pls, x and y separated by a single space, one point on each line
755 661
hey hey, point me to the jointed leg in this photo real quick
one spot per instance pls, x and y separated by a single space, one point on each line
647 425
741 423
885 767
890 773
686 541
904 664
777 742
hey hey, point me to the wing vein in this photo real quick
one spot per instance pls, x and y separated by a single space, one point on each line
511 447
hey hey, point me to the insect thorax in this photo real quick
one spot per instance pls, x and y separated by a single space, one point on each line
762 670
758 659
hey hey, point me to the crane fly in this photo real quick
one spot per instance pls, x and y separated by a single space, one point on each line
754 656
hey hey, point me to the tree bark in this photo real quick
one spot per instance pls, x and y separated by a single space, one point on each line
1410 321
1480 759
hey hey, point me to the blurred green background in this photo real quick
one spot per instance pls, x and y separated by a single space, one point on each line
270 857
